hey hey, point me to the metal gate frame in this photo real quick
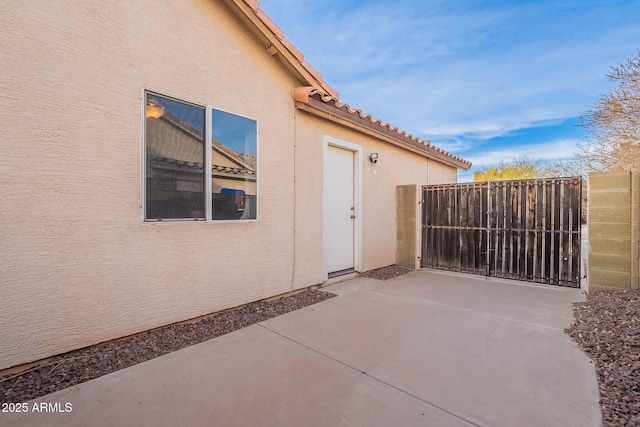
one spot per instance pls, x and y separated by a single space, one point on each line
524 230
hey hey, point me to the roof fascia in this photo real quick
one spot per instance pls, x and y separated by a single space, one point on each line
320 109
272 36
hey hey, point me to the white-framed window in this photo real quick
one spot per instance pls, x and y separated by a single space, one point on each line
183 140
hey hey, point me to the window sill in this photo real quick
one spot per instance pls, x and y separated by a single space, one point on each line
190 221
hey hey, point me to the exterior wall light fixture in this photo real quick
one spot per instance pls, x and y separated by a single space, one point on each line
373 157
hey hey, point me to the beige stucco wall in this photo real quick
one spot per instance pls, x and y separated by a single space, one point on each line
614 230
78 265
396 166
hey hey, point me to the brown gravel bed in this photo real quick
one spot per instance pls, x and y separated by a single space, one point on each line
85 364
385 273
607 327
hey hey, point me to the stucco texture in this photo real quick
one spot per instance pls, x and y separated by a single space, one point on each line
396 166
79 266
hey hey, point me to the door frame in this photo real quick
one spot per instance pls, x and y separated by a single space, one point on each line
357 200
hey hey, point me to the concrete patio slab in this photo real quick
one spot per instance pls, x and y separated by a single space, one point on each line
537 304
347 286
425 348
252 377
442 338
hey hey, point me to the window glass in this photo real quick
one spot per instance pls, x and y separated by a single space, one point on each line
234 166
174 163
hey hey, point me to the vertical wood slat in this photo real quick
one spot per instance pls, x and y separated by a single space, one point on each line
495 247
531 234
517 257
450 227
539 230
494 218
562 235
548 226
527 230
556 236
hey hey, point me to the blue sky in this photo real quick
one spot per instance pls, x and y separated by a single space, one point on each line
486 80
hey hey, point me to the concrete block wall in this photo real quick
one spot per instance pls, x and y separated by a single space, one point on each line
614 231
407 231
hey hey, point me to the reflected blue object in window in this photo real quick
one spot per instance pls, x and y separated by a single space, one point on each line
175 181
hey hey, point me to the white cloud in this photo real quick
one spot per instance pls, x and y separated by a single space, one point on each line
453 144
449 68
558 149
460 73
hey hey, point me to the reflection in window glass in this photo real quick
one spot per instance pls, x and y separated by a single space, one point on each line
234 166
174 163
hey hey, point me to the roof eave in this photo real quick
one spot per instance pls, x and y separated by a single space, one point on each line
320 109
276 45
272 36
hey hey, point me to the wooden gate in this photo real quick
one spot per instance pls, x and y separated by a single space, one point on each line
525 230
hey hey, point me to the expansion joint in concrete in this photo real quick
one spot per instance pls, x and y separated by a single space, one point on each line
360 371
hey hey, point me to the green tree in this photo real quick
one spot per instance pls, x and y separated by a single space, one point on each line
519 168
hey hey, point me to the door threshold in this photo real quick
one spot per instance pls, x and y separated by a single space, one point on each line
341 272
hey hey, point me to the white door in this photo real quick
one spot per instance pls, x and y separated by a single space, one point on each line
340 209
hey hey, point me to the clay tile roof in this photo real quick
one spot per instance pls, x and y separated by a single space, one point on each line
325 98
254 5
269 23
320 101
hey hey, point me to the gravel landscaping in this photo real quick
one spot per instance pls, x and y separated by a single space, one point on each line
385 273
85 364
607 327
92 362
